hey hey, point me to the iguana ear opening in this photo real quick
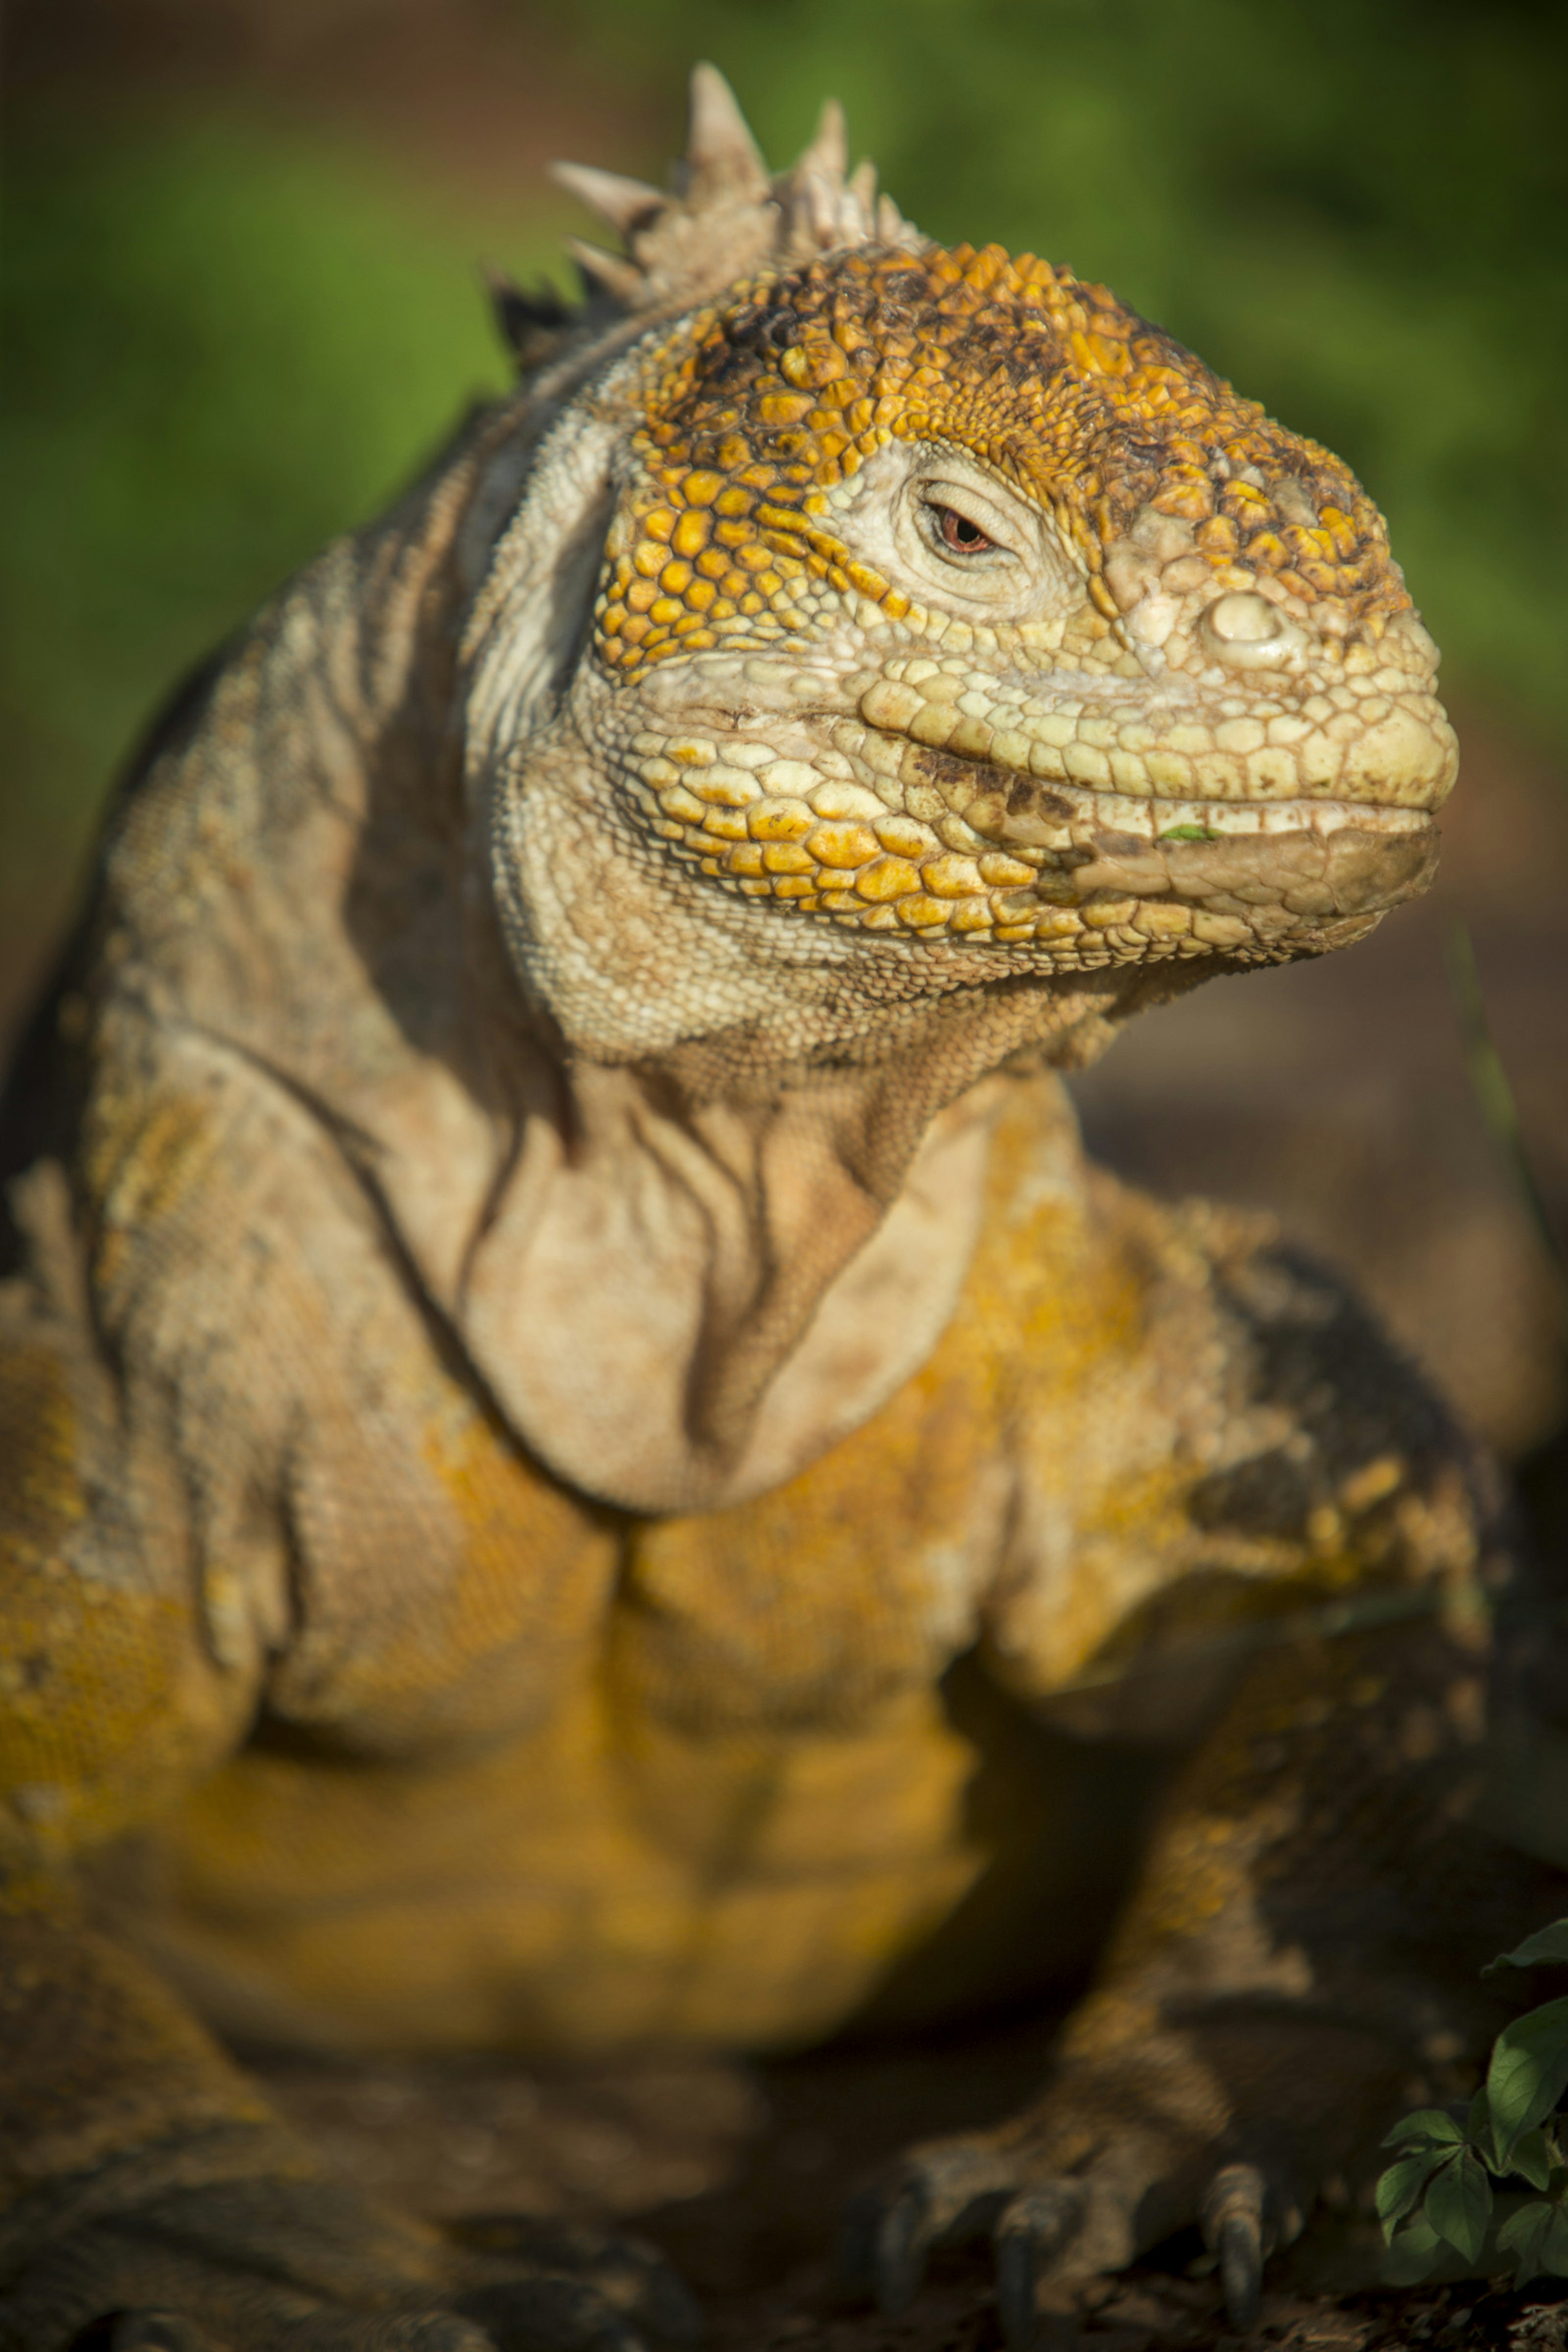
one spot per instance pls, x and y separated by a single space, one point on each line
721 219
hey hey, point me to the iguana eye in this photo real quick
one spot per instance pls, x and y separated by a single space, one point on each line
956 532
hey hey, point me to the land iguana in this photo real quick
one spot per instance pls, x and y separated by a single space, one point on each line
567 1396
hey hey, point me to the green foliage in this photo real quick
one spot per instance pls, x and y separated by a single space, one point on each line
1436 2200
221 348
1550 1944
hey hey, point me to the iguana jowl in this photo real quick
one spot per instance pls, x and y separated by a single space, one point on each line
556 1296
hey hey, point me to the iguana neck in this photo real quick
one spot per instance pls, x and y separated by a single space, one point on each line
679 1306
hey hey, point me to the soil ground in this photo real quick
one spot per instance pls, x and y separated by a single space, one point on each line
739 2174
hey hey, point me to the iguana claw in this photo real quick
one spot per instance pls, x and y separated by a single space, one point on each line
939 2196
1245 2215
1034 2232
1051 2230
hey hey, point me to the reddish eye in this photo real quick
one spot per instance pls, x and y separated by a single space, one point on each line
966 537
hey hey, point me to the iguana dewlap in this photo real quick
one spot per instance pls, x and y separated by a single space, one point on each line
567 1389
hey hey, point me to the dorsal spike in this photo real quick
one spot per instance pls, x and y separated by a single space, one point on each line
624 203
722 162
828 153
530 321
607 273
862 185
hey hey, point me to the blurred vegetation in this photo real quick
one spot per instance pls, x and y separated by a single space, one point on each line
221 347
224 339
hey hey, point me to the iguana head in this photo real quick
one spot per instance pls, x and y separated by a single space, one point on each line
944 611
886 663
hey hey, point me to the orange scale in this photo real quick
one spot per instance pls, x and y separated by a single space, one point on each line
783 407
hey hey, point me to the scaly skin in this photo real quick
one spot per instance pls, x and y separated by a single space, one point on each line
566 1384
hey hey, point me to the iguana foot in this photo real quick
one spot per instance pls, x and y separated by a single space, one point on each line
1060 2206
305 2264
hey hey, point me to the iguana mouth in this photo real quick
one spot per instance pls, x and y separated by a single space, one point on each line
875 830
1256 871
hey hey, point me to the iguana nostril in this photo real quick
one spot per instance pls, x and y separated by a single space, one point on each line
1244 631
1242 620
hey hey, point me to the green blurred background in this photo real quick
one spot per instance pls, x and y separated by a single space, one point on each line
240 239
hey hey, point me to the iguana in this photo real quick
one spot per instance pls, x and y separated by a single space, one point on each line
568 1398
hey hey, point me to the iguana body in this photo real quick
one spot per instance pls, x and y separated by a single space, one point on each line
559 1297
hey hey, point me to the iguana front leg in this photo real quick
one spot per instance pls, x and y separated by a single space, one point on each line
1304 1934
1300 1944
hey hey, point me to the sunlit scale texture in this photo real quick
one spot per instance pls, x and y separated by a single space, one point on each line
1015 780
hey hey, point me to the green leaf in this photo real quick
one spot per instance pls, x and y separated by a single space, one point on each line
1412 2255
1532 2159
1432 2126
1550 1944
1458 2204
1523 2235
1555 2254
1528 2073
1400 2186
1185 832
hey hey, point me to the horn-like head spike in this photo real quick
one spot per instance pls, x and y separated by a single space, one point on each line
726 219
722 160
607 273
828 152
624 203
